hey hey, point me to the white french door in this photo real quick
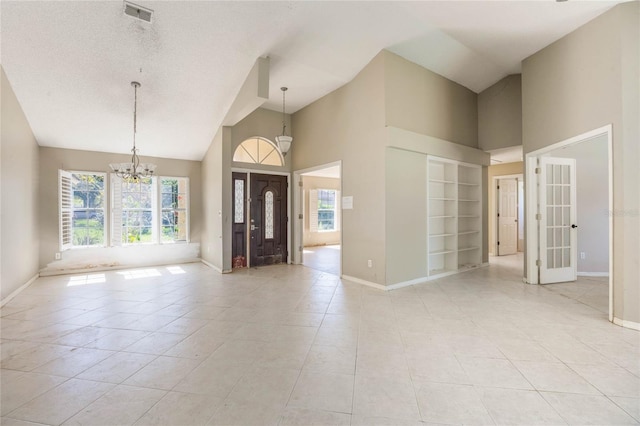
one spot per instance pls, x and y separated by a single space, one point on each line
558 228
507 216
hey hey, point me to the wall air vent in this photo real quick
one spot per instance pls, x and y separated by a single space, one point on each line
138 12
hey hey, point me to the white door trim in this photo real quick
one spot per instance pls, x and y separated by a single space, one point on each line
298 226
531 204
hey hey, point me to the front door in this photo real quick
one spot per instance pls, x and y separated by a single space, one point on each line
268 223
558 229
507 216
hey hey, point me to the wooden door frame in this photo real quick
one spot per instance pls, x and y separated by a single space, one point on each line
248 209
496 204
531 194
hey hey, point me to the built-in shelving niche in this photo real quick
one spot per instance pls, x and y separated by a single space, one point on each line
454 209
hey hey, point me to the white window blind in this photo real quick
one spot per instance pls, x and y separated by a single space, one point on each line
338 216
116 210
313 210
65 194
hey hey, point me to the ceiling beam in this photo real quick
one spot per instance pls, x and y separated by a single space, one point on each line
253 93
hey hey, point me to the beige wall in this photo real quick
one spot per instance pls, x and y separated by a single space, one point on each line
424 102
318 238
493 171
406 214
586 80
422 112
19 202
212 250
500 114
348 125
425 114
406 224
54 159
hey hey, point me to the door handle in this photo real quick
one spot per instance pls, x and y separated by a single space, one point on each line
253 227
574 226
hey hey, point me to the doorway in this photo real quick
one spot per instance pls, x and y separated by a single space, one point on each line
569 192
260 234
319 228
509 220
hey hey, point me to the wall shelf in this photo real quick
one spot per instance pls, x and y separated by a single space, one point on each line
454 203
468 248
441 252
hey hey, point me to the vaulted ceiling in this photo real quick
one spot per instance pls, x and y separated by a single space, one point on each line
71 62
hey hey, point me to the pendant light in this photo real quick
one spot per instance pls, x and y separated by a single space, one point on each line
134 170
284 141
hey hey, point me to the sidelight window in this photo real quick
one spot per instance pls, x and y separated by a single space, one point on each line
268 214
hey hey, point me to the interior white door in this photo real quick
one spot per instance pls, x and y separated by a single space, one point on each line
507 216
558 228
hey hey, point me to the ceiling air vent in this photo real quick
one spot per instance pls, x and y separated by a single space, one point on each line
137 12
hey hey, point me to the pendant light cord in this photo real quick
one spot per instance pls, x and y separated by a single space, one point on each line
135 114
284 126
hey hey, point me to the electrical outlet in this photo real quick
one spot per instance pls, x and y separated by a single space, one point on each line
370 263
583 255
58 256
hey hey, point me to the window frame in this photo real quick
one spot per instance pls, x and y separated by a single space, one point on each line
334 210
156 212
70 209
153 227
186 209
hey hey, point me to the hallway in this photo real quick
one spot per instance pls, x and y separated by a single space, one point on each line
323 258
291 345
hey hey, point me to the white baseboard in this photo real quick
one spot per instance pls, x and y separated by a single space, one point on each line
215 268
102 268
211 265
402 284
364 282
19 290
593 274
408 283
627 324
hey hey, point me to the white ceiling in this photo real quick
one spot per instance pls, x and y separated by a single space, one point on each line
70 63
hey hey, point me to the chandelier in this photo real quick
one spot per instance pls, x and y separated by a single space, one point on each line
284 141
134 170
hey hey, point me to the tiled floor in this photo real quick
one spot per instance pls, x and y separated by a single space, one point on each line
323 258
289 345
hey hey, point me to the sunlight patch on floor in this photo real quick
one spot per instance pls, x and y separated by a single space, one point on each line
86 279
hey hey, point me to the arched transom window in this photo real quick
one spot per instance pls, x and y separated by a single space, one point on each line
258 151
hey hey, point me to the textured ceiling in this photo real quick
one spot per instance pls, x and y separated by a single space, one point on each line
70 62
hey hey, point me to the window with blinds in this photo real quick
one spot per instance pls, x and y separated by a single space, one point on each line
82 209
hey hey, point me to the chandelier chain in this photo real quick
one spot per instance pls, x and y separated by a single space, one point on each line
135 170
135 113
284 125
